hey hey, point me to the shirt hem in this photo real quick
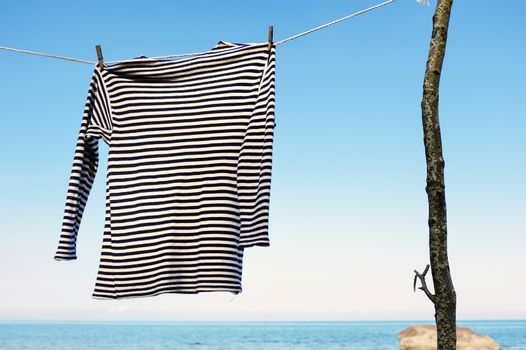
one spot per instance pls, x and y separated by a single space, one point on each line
102 297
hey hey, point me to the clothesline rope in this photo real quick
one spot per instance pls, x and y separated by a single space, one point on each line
334 22
46 55
198 53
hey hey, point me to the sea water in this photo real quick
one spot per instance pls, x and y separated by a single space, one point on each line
356 335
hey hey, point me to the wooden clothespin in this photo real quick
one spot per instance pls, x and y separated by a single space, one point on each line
99 56
270 37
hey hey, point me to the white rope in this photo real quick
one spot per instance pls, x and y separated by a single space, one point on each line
200 53
334 22
276 43
157 57
46 55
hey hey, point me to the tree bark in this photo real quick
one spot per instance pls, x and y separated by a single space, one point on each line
445 297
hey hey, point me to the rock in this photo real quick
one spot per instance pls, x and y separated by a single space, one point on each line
424 337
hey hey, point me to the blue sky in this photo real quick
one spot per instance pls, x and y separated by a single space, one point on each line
348 203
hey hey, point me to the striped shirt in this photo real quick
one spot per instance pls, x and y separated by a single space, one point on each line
188 174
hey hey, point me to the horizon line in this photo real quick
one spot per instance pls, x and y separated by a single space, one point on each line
257 321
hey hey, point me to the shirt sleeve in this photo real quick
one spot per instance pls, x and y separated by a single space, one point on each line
255 164
96 123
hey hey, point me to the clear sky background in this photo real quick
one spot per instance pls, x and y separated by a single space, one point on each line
348 221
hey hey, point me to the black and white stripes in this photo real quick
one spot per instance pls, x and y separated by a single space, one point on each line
189 170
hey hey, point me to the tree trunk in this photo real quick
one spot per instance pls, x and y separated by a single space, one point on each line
445 297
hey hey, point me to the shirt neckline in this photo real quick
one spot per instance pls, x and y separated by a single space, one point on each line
220 46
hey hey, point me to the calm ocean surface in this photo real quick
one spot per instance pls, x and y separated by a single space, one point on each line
357 335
